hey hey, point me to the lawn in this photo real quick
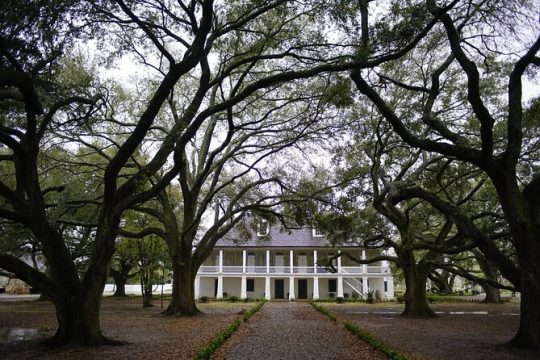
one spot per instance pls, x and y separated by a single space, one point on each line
148 334
461 330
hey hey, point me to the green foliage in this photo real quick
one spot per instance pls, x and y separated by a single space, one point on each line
370 299
204 299
338 93
207 351
233 299
323 310
249 313
373 342
449 298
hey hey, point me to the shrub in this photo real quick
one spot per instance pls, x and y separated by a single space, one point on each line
233 299
373 342
340 300
370 298
204 299
207 351
249 313
323 310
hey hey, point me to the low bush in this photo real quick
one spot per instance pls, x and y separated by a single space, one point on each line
233 299
323 310
249 313
204 299
206 352
373 342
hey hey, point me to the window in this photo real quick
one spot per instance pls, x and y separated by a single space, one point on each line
332 285
263 228
317 232
250 285
385 286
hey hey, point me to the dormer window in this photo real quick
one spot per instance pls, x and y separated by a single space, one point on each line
317 233
263 228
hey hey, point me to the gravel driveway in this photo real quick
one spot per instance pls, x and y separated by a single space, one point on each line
293 330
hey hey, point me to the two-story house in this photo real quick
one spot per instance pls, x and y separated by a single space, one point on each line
283 264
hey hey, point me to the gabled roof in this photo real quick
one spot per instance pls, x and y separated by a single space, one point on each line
277 237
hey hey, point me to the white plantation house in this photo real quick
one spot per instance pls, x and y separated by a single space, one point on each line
282 264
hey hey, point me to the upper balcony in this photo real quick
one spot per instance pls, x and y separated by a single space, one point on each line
292 262
295 270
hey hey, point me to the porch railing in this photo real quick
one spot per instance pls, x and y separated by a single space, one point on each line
356 270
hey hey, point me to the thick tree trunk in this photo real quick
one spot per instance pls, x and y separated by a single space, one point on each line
120 284
522 211
78 324
528 335
493 295
416 304
183 297
146 286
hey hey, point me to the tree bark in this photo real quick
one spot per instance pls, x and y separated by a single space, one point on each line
146 285
528 335
416 304
120 283
183 297
522 211
493 295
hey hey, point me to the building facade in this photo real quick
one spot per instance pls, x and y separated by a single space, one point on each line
274 263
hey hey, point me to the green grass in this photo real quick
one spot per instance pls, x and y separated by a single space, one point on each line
206 352
373 342
362 334
323 310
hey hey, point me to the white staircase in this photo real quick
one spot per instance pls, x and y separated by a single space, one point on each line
353 283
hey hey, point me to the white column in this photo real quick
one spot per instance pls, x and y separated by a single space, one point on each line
243 292
197 287
315 288
291 287
390 292
291 258
267 290
314 262
268 261
365 287
219 287
340 287
244 257
339 263
220 265
364 266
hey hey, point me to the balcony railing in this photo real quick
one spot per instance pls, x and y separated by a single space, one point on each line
353 270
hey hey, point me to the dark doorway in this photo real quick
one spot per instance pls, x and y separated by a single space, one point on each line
279 292
215 288
302 288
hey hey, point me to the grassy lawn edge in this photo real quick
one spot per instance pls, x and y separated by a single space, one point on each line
206 352
361 334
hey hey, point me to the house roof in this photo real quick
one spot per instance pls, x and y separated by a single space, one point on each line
277 237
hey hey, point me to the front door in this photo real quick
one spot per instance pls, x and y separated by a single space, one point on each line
279 289
302 288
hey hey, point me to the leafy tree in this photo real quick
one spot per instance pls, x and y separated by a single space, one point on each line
488 132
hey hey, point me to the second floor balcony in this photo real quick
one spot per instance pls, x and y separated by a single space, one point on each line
291 261
307 270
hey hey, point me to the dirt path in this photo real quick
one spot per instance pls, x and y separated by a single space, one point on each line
293 330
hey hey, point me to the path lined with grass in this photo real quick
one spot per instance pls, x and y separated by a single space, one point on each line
294 330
